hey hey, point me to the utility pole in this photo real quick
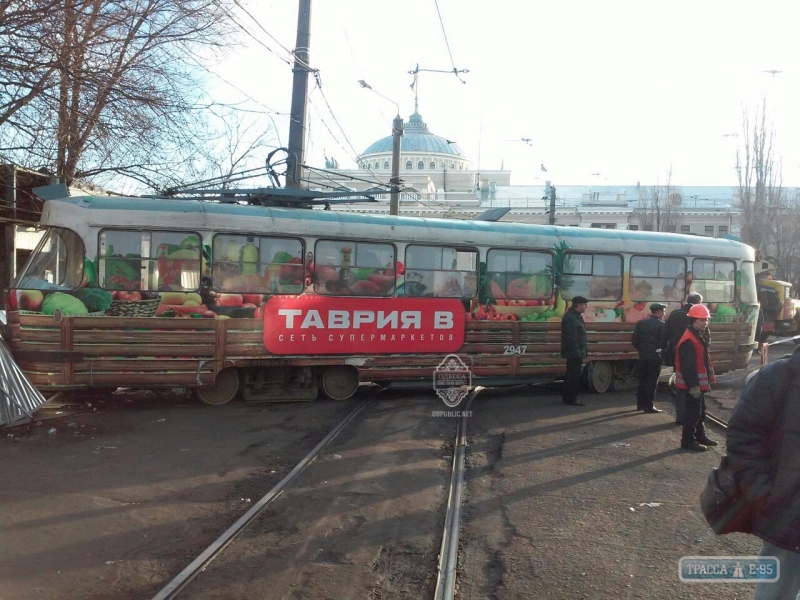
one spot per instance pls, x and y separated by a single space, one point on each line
297 124
397 133
552 205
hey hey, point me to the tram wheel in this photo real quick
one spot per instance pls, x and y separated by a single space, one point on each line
599 375
224 389
339 382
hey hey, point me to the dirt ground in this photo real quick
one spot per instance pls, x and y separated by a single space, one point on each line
116 501
124 493
585 502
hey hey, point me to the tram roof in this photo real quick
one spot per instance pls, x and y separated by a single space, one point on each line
160 206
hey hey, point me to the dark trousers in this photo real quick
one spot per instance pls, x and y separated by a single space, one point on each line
572 380
694 417
648 382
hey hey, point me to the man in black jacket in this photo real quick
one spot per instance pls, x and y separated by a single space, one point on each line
648 339
573 348
763 448
676 325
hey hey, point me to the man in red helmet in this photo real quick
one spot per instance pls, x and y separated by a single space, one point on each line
693 378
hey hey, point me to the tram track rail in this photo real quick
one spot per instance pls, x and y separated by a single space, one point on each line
182 580
448 553
718 421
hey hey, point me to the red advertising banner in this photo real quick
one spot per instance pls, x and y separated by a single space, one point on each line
325 325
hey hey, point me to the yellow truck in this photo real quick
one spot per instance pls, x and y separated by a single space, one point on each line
781 308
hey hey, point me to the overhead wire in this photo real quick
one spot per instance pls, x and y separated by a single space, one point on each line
447 43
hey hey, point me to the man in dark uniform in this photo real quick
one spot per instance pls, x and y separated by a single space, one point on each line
693 378
648 339
676 325
573 348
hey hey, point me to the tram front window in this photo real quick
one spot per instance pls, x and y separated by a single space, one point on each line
55 264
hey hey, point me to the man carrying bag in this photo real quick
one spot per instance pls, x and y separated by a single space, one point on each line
757 487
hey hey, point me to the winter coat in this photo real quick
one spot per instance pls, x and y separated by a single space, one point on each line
648 337
763 447
676 324
573 335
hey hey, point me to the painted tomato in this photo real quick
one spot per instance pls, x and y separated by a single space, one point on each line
129 296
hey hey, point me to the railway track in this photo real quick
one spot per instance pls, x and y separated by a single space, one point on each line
179 583
448 555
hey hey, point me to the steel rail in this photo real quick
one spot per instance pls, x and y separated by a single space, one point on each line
174 587
716 420
448 553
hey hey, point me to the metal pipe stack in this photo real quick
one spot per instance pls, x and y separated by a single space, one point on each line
19 399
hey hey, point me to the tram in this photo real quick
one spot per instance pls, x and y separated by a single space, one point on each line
278 303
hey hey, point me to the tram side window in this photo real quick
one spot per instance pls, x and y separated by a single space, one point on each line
257 264
56 264
594 276
351 268
519 275
149 260
714 279
657 278
439 272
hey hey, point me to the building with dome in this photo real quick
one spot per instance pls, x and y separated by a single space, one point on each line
438 180
432 167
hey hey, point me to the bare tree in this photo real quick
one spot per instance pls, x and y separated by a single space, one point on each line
122 92
760 182
786 240
657 206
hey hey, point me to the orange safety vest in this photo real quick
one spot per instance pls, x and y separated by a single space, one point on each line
704 376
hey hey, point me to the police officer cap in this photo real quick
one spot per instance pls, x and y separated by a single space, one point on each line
579 300
656 306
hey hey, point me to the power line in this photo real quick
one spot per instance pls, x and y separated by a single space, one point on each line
447 43
349 143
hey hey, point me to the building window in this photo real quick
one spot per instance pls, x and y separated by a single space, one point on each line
421 165
409 165
432 166
710 230
671 228
723 230
604 225
377 165
461 167
686 229
633 227
453 166
386 164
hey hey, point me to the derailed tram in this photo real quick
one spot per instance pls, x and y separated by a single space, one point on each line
279 303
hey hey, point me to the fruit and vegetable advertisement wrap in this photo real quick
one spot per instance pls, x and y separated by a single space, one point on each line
180 275
539 287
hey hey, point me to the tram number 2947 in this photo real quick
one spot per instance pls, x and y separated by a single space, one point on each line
514 349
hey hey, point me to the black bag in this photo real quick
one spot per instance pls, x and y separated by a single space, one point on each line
723 504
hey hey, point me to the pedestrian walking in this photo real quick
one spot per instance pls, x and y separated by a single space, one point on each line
676 325
694 375
573 348
762 453
648 339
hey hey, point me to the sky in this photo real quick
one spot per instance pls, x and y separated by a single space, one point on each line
610 93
